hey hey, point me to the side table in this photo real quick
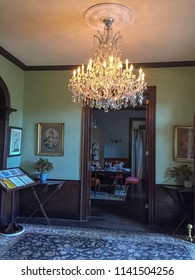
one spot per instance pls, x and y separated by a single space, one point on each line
177 193
41 201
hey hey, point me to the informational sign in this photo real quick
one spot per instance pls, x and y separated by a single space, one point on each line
14 178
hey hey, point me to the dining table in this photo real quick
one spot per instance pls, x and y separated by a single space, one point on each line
112 171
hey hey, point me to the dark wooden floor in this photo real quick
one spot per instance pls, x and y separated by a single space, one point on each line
126 215
131 214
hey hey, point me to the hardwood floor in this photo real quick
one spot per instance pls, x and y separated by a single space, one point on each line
125 215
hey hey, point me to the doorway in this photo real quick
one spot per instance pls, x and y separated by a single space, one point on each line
85 205
5 110
119 137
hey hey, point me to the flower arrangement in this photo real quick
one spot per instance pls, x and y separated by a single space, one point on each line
182 172
43 165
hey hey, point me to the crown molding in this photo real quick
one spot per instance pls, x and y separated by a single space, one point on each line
24 67
51 67
12 58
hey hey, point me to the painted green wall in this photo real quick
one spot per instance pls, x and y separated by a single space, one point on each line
47 99
175 105
14 79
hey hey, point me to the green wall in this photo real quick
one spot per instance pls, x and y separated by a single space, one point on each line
47 99
175 105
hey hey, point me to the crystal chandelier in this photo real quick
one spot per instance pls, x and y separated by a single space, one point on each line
104 83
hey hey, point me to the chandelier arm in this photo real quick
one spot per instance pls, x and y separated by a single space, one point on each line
100 35
115 36
96 37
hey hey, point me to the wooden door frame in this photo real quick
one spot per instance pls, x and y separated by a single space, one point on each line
151 149
85 202
150 145
5 111
4 123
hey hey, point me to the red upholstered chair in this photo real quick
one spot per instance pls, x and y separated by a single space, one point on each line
134 180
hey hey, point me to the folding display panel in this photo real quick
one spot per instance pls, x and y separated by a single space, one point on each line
12 179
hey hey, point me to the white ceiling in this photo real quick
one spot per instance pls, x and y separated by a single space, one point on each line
54 32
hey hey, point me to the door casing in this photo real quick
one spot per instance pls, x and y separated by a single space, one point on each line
150 162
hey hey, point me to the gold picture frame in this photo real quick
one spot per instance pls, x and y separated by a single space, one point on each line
183 143
50 139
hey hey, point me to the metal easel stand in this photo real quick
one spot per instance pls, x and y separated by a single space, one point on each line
41 203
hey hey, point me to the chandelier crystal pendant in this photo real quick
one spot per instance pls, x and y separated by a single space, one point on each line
105 83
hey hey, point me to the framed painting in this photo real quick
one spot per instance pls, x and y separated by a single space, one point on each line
15 141
183 143
50 139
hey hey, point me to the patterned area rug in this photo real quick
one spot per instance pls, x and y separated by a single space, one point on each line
69 243
118 194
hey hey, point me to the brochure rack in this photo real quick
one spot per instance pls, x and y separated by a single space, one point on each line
11 180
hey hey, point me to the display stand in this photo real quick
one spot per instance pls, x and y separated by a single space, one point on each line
11 180
42 200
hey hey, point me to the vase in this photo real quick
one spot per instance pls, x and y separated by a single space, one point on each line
187 184
43 177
